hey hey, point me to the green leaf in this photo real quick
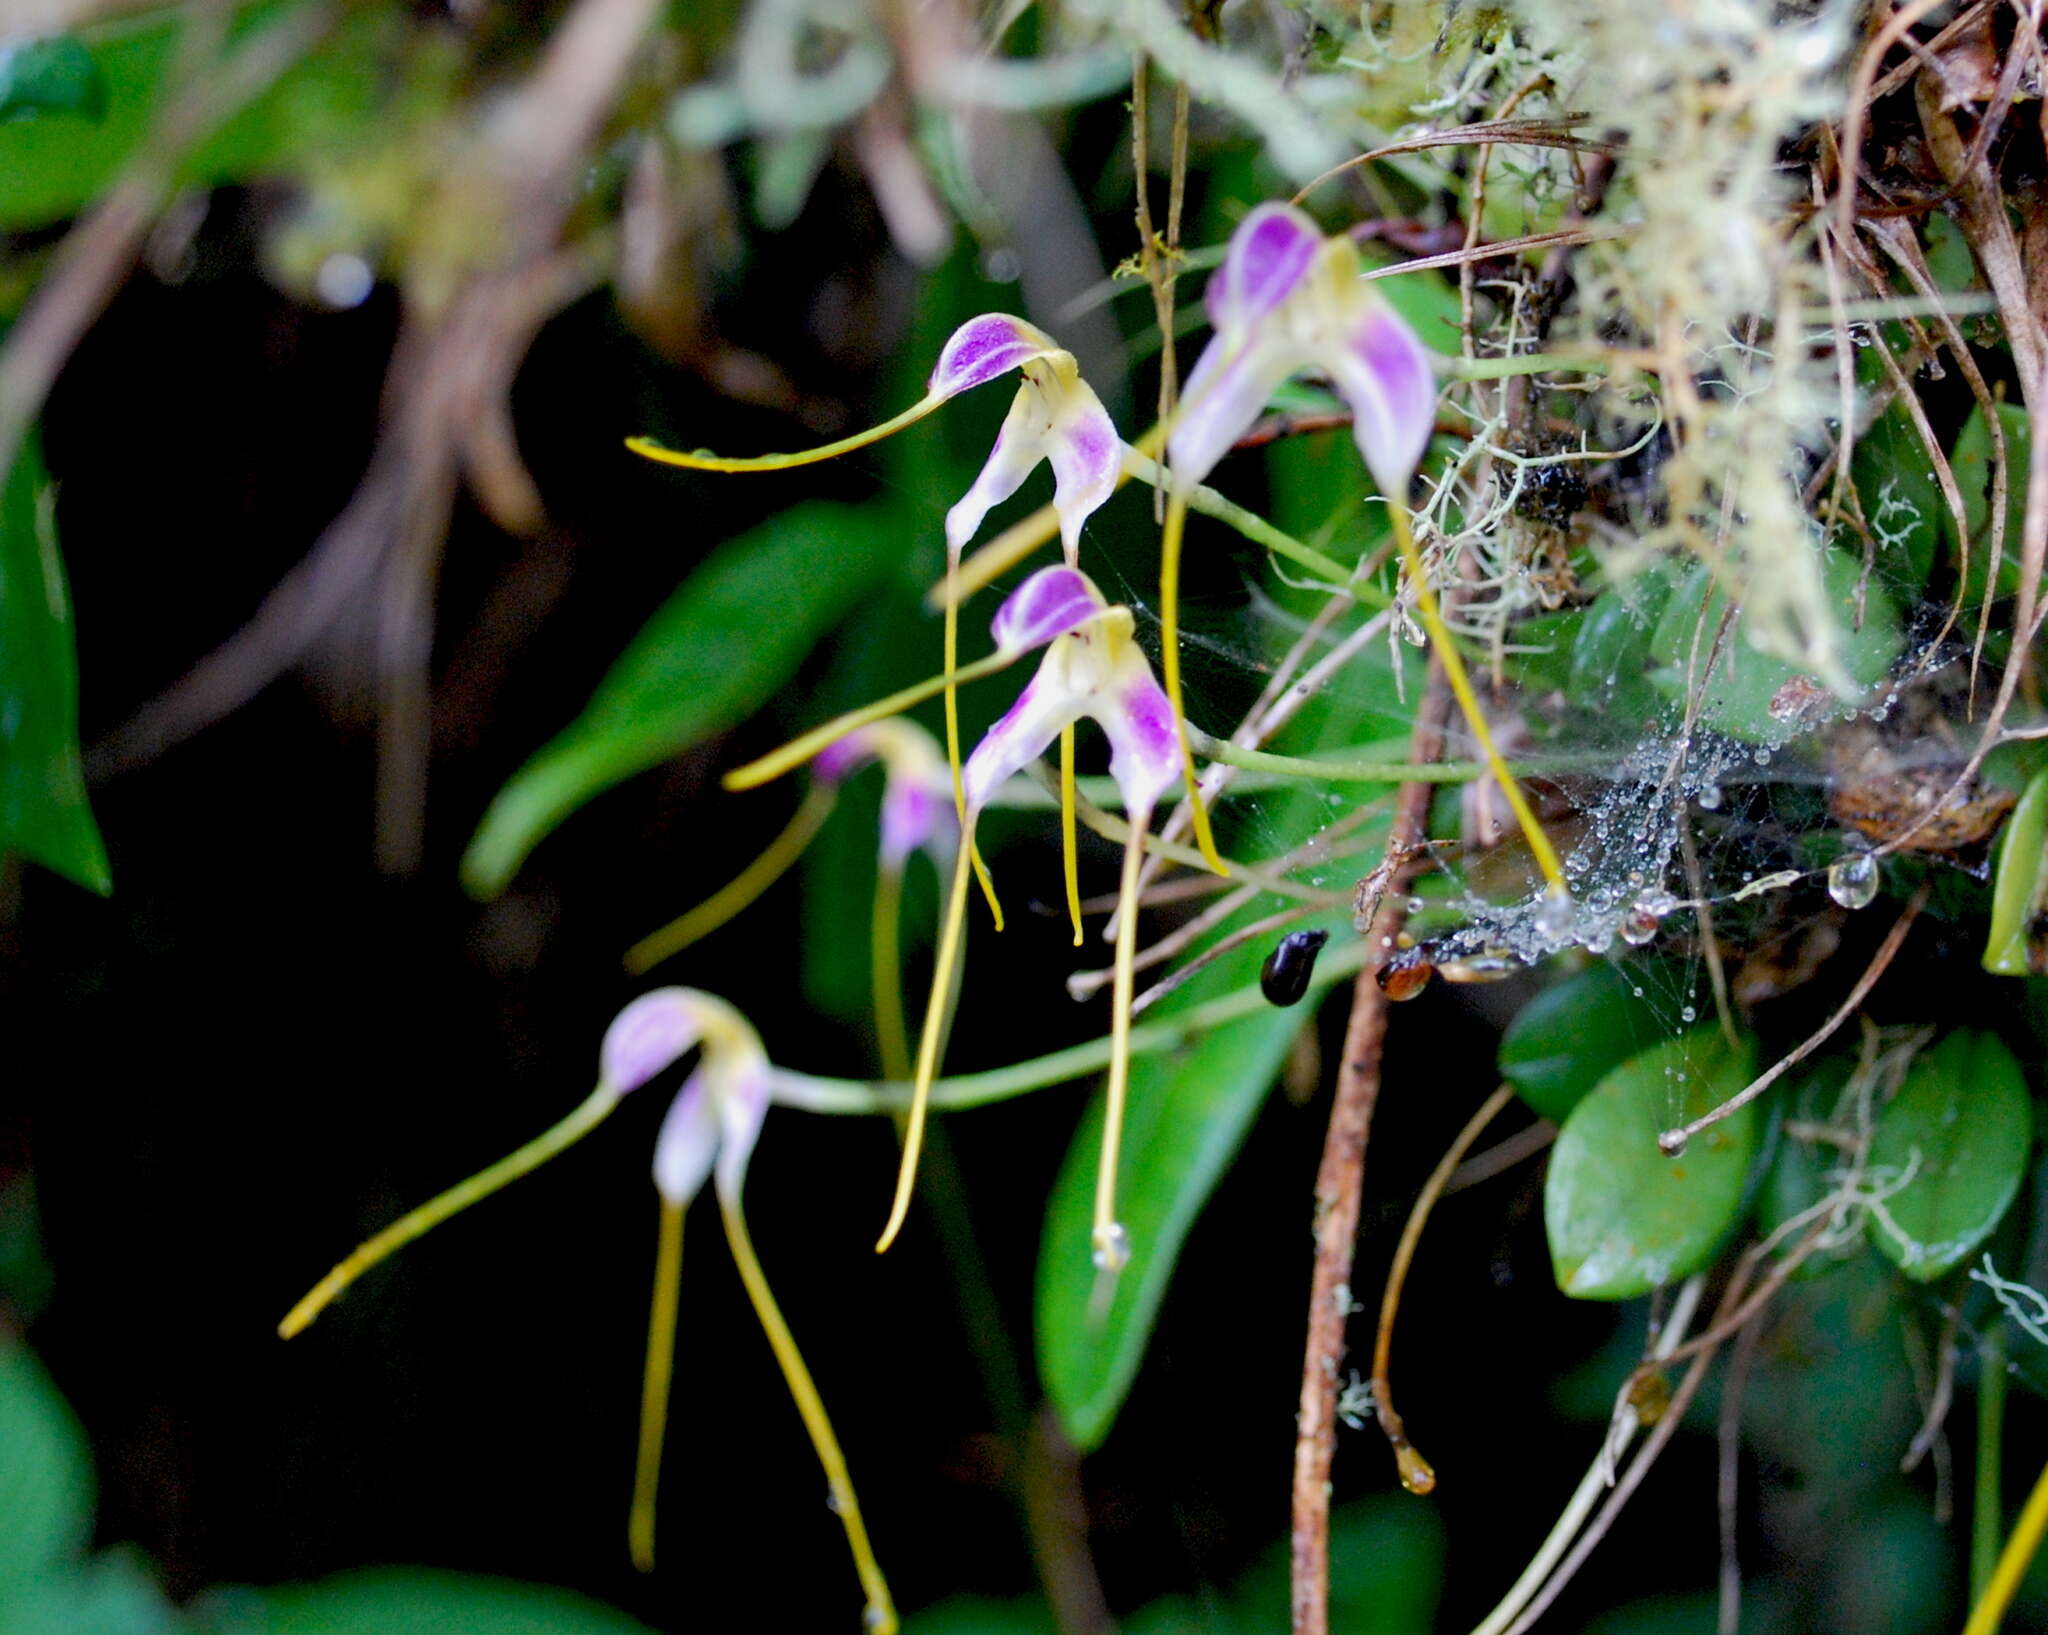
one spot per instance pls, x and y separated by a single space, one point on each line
1571 1035
1971 461
51 75
45 1475
1961 1125
112 1594
1186 1116
1900 498
2018 941
1737 695
1612 650
1622 1218
413 1601
43 810
715 652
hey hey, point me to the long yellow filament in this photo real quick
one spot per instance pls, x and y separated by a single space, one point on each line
457 1198
1468 701
1112 1248
705 460
654 1384
1070 860
885 966
799 750
755 878
928 1042
952 658
1169 657
2013 1561
881 1610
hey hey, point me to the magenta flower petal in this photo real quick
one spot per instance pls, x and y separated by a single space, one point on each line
983 348
1269 256
912 815
1384 373
652 1033
688 1142
1042 709
1086 456
1144 747
1048 604
843 757
1230 386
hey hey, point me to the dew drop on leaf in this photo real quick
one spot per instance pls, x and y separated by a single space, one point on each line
1852 879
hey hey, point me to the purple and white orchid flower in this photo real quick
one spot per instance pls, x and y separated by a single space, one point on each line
710 1133
1093 669
1286 301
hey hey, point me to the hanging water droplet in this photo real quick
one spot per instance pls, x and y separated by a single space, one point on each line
1416 905
1112 1248
1639 926
1852 879
1689 1014
1763 756
1672 1142
1554 913
1710 797
1399 982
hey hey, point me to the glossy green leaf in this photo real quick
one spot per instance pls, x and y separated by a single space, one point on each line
1961 1127
1900 499
1972 462
51 75
1736 697
1573 1034
46 1488
1802 1172
414 1601
1188 1113
43 810
111 1594
716 651
1622 1218
2018 941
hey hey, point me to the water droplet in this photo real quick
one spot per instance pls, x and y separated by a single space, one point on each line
1399 982
1672 1142
1416 905
1554 914
1763 757
1416 1475
1689 1014
1112 1248
1639 926
1852 879
1710 797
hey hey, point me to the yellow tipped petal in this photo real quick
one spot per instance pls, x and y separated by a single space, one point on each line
705 460
1169 663
654 1384
1069 849
880 1617
730 900
457 1198
928 1042
799 750
1112 1246
1468 702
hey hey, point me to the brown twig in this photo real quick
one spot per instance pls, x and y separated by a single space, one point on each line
1727 1485
1340 1182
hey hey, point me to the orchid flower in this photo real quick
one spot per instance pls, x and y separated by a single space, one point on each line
709 1133
1284 301
1055 417
1093 668
912 821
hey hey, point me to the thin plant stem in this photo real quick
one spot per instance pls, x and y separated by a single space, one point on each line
885 968
1987 1520
1416 1474
1169 657
880 1617
732 899
457 1198
2013 1562
801 749
655 1382
1339 769
950 662
705 460
1468 701
928 1043
1070 861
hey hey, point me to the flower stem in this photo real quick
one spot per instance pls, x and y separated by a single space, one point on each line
2013 1562
1112 1249
1169 658
1070 863
1468 701
755 878
1528 363
654 1383
457 1198
885 965
881 1610
1339 769
1988 1519
705 460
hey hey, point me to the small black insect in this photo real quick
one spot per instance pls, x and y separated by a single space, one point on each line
1283 979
